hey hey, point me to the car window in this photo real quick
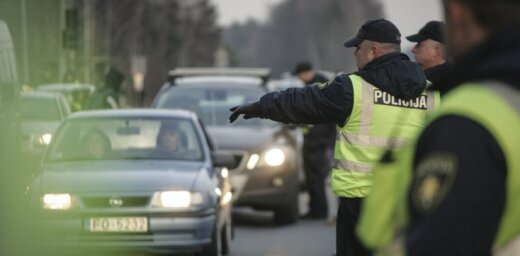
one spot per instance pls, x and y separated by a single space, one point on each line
126 138
212 104
40 109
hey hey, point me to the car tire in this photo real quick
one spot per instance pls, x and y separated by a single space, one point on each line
226 237
215 247
289 212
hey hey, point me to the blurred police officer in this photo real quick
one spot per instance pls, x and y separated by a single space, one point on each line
465 190
469 178
317 145
430 50
368 107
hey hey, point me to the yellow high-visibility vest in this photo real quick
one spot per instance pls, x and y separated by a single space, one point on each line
378 121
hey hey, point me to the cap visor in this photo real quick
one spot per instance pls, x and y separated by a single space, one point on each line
416 38
354 42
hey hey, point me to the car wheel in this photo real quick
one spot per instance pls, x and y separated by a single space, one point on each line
214 248
288 213
226 237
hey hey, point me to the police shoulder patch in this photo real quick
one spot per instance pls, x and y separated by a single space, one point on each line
323 85
433 178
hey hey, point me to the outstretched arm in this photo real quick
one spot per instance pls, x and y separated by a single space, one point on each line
316 104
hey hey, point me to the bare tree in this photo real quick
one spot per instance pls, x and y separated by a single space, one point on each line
302 30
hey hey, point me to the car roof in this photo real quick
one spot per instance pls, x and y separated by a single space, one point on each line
40 95
216 71
65 87
203 81
116 113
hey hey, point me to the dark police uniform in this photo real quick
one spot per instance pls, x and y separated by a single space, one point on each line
318 142
467 207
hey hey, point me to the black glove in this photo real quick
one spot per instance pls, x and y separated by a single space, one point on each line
249 111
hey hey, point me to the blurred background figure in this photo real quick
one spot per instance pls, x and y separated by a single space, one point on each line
317 150
107 96
306 73
430 51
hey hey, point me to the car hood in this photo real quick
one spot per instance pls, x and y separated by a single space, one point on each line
242 138
33 127
120 176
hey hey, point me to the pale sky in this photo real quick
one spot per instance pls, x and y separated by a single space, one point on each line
411 15
408 15
242 10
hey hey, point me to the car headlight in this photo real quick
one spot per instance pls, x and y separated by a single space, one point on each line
227 198
271 157
253 160
45 139
176 199
274 157
57 201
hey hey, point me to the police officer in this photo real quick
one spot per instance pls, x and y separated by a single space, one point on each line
430 50
367 106
317 145
465 185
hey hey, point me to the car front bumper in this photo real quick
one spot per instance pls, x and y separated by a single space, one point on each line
166 233
268 188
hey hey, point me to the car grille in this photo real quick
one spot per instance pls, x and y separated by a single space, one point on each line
104 202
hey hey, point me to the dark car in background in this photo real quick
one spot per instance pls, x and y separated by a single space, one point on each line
42 114
268 153
136 180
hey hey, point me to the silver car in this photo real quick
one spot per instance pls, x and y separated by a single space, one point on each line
42 113
135 180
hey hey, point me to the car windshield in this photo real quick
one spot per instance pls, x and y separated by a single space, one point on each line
126 138
40 109
212 104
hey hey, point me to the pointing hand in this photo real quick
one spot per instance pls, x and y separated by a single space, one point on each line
248 110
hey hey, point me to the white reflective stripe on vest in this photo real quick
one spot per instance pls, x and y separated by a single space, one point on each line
431 100
352 166
367 101
370 141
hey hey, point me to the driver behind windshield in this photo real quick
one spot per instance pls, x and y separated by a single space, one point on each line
170 142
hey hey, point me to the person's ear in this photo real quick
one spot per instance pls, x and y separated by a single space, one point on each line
376 51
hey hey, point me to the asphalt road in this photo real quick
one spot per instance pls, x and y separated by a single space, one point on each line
256 235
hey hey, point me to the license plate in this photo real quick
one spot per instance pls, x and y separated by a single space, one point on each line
119 224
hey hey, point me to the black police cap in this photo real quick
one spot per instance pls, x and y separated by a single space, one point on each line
432 30
380 30
302 67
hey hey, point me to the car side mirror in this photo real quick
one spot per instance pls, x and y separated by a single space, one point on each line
223 159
